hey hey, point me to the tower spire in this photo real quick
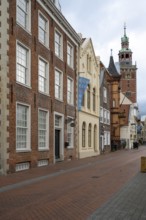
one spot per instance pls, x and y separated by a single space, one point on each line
111 52
124 29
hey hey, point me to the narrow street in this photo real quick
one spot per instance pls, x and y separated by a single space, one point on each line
69 190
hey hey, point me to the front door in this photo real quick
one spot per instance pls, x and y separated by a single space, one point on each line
57 144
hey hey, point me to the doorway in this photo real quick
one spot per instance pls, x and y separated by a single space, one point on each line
57 144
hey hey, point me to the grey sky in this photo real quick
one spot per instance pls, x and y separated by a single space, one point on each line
103 21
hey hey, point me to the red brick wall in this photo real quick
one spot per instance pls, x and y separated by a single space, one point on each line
31 96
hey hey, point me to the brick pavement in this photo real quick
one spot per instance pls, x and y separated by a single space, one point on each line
68 190
128 204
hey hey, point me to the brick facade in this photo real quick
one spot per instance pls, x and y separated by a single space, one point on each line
30 95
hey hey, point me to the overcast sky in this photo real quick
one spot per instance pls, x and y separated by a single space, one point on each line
103 21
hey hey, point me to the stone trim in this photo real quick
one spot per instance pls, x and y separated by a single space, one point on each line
4 85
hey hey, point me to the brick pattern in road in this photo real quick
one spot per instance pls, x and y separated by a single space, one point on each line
71 190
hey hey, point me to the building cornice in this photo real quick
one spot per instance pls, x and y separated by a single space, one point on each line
58 17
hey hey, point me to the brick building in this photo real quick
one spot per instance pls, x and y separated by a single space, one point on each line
38 74
105 109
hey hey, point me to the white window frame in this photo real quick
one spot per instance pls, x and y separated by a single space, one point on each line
27 23
104 116
59 86
108 138
21 65
70 91
45 42
108 117
58 40
70 131
28 128
105 138
70 55
105 95
101 114
45 78
46 130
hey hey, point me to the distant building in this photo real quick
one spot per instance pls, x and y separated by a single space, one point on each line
115 110
88 107
105 110
128 71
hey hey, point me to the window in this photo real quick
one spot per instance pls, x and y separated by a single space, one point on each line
22 127
88 97
89 135
70 134
42 163
94 99
83 100
95 137
70 91
58 85
23 13
43 30
43 130
108 117
101 114
108 138
83 134
70 55
105 138
104 94
88 63
105 116
43 76
114 103
23 67
22 166
58 44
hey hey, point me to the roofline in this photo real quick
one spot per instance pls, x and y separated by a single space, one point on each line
54 12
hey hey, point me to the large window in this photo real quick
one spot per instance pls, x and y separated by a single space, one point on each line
43 76
94 99
43 30
58 85
23 65
23 13
70 55
95 137
70 91
101 114
88 97
105 94
89 135
58 44
70 134
22 127
43 130
83 135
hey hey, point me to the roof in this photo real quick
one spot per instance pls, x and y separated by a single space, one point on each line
112 69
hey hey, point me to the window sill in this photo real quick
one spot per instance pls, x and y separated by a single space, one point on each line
23 151
46 149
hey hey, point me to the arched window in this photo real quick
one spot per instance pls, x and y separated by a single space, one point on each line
94 101
83 134
95 137
88 97
114 103
89 135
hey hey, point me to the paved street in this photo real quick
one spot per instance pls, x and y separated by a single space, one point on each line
91 188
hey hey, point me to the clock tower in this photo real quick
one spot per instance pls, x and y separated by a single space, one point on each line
127 70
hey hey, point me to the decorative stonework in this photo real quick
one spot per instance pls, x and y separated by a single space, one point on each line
4 82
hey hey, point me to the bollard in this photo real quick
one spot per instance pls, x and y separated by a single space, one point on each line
143 164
